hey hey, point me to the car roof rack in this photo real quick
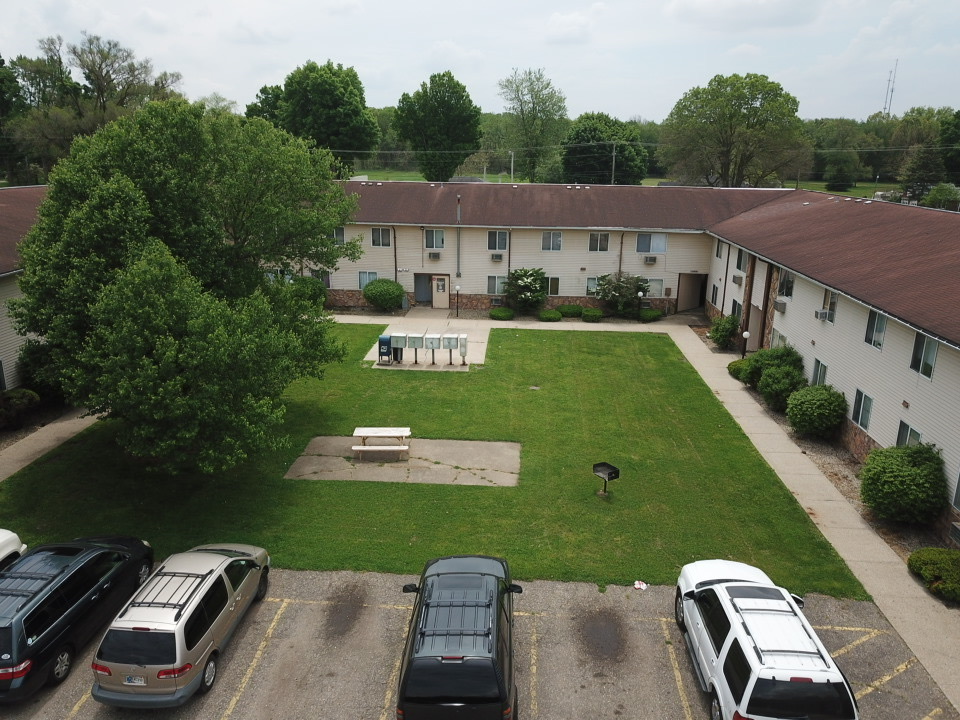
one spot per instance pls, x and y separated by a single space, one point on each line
787 609
431 624
24 586
178 587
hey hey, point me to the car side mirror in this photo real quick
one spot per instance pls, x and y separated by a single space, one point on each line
411 588
798 600
514 588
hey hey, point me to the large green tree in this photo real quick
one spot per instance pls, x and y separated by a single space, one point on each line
441 123
602 149
738 130
538 118
326 104
144 282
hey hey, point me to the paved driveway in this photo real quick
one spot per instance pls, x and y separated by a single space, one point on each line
327 644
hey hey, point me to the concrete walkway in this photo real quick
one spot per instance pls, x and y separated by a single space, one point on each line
930 630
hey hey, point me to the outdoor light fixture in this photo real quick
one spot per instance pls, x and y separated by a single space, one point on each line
746 336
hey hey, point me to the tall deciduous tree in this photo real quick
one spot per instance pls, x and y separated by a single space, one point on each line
326 104
602 149
441 123
538 114
737 130
144 279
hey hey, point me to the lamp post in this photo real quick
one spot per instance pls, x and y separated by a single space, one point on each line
746 336
457 288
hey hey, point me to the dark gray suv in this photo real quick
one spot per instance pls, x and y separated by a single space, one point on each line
458 659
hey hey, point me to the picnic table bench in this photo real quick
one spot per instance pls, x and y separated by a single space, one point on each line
377 434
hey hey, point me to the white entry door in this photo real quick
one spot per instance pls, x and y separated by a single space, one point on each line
441 291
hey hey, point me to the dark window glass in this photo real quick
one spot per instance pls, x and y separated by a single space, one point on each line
736 670
237 571
204 615
138 647
6 638
714 618
814 700
470 680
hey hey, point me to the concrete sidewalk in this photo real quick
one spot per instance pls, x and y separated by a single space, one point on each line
931 630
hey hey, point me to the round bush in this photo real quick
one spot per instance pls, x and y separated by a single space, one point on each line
739 368
648 315
779 383
384 294
817 410
940 570
501 313
723 331
591 315
14 405
904 484
570 310
765 358
550 316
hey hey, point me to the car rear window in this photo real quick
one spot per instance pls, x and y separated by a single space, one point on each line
138 647
813 700
432 680
6 637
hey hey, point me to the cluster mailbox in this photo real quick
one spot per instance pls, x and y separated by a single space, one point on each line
398 341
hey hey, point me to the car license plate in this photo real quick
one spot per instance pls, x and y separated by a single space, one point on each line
134 680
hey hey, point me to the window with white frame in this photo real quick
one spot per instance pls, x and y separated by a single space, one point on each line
553 286
720 246
830 299
907 436
777 338
599 242
497 240
655 287
741 261
876 327
339 237
736 308
366 276
651 243
591 287
380 236
819 375
785 286
433 239
495 284
552 240
924 355
714 294
862 406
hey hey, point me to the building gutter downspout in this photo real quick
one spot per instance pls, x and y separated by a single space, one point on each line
458 236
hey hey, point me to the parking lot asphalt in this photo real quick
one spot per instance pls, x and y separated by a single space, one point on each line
328 645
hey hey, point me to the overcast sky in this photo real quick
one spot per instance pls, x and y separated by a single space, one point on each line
627 58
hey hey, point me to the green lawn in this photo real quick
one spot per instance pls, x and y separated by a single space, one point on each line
692 486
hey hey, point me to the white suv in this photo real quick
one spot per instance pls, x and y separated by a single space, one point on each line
752 648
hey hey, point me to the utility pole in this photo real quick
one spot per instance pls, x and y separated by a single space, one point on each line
613 166
891 83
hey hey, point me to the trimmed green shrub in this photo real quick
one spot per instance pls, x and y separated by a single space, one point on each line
739 368
649 315
764 358
778 383
550 316
570 310
592 315
817 410
14 405
904 484
940 570
723 331
384 294
501 313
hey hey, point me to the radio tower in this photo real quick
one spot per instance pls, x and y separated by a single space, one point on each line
891 83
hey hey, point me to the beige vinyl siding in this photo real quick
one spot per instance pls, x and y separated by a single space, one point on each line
10 341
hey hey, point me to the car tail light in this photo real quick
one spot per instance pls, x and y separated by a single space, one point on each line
508 714
17 671
738 716
801 679
174 672
399 714
102 669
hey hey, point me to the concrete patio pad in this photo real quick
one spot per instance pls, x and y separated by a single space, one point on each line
443 462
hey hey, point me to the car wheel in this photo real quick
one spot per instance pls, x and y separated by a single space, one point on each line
209 676
262 585
62 663
143 572
715 713
678 612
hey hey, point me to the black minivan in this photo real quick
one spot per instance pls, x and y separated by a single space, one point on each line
458 658
55 598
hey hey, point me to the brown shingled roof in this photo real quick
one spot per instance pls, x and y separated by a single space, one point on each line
18 213
901 259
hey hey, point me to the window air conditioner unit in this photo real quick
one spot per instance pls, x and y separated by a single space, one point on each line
821 314
496 302
649 259
738 279
496 257
433 255
780 305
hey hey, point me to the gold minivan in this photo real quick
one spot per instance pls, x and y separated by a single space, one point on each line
164 645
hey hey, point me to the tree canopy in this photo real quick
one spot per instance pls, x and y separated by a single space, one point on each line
738 130
602 149
538 118
441 123
144 279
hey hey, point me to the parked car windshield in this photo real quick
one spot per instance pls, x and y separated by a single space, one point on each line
469 681
138 647
812 700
